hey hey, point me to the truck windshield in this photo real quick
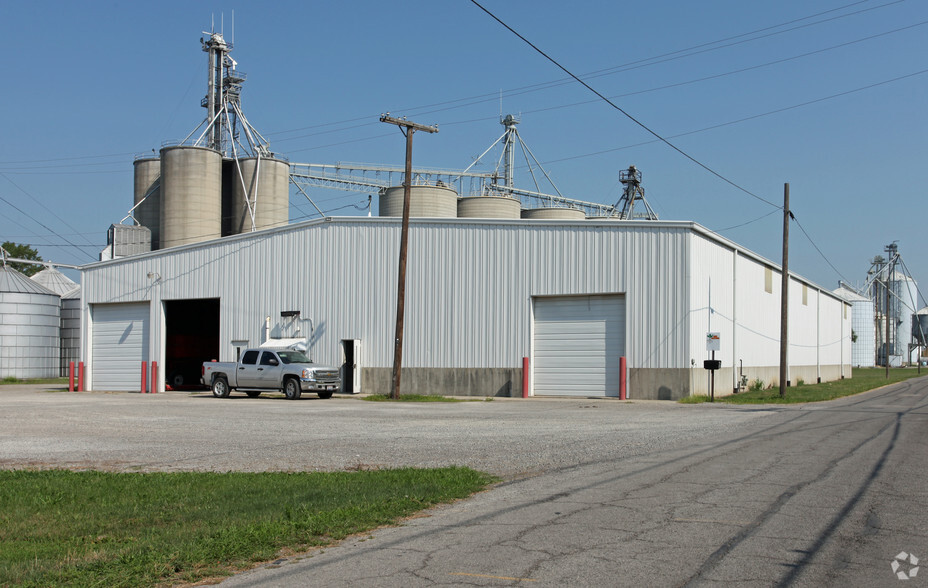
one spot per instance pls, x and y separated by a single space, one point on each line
293 357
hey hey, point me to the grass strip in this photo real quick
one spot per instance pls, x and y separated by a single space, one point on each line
67 528
861 380
12 380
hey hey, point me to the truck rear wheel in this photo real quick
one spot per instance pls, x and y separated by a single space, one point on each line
221 387
292 389
253 393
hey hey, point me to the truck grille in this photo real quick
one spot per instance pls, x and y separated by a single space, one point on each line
327 376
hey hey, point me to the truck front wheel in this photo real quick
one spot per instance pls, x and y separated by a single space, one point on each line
325 395
292 389
220 387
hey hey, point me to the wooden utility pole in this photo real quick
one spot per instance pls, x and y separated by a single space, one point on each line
784 295
408 128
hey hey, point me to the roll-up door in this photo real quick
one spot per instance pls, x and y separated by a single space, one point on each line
120 345
578 343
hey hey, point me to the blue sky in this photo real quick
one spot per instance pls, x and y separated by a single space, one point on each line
834 104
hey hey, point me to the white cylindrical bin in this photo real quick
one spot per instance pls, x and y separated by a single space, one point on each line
424 201
553 213
489 207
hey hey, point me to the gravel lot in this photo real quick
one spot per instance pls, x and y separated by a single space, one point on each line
177 431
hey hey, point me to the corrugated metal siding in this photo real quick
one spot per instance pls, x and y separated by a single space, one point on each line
803 325
468 292
758 320
469 288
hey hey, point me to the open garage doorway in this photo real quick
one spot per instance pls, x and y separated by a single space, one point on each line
191 337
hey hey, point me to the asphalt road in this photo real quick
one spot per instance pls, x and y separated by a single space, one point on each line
596 492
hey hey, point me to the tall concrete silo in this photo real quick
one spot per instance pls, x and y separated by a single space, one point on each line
489 207
191 195
29 327
424 202
261 185
148 192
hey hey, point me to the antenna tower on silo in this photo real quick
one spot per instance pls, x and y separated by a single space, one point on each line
505 166
633 192
225 122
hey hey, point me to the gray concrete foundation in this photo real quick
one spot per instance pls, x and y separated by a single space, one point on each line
483 382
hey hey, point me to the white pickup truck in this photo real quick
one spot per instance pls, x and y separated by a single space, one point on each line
267 370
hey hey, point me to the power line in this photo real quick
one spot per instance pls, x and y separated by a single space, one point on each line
801 228
744 119
41 224
627 115
762 217
657 59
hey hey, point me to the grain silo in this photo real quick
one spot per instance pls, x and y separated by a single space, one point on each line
29 327
70 333
147 198
558 213
863 327
424 201
489 207
70 329
54 280
191 195
920 333
261 187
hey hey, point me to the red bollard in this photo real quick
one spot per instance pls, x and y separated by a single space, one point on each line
154 377
80 376
144 376
71 376
524 377
623 393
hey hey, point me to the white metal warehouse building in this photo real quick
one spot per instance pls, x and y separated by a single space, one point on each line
572 296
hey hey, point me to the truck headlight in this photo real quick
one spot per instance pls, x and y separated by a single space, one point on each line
308 374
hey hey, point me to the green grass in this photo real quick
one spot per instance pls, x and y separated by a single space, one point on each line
420 398
861 380
88 528
14 380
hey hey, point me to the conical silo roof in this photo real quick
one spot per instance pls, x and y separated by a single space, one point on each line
13 281
55 281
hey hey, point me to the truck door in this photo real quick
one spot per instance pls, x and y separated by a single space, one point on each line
268 372
248 369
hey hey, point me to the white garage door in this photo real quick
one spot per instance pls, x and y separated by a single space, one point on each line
578 343
120 345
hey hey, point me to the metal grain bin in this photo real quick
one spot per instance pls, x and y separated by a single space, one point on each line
489 207
424 201
30 327
70 329
553 213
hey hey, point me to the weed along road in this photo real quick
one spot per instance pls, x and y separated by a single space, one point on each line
594 493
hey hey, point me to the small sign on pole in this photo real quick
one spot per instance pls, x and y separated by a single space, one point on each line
713 344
